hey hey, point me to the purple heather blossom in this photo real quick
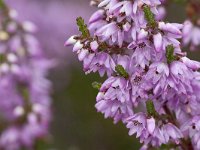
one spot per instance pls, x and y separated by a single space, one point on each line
170 131
140 87
169 33
161 13
157 74
113 99
191 128
172 82
146 128
93 60
143 52
141 125
142 57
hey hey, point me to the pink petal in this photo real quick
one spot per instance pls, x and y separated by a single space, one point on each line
157 42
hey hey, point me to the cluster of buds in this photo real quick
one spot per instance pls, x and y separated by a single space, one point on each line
24 90
145 67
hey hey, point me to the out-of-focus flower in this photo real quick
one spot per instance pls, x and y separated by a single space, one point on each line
50 19
191 35
25 100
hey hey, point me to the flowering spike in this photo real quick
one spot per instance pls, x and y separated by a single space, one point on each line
121 71
170 53
126 43
96 85
24 89
82 27
149 16
150 108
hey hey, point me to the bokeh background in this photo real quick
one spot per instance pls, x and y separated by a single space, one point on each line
76 125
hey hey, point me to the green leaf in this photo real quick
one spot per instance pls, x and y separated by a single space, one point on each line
170 53
150 108
121 71
82 27
96 85
149 16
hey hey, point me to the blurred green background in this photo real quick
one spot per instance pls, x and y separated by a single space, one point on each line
77 125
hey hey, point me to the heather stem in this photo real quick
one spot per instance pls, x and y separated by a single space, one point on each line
121 71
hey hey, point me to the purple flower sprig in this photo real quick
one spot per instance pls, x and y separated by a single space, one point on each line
145 68
24 90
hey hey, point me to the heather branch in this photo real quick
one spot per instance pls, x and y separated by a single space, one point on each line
82 27
149 75
121 71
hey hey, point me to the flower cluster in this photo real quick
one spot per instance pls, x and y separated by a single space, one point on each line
24 89
145 68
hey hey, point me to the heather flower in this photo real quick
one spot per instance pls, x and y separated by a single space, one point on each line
147 129
98 15
158 74
92 59
169 33
161 13
173 82
141 125
191 128
113 31
143 52
170 131
108 3
140 87
101 62
113 99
